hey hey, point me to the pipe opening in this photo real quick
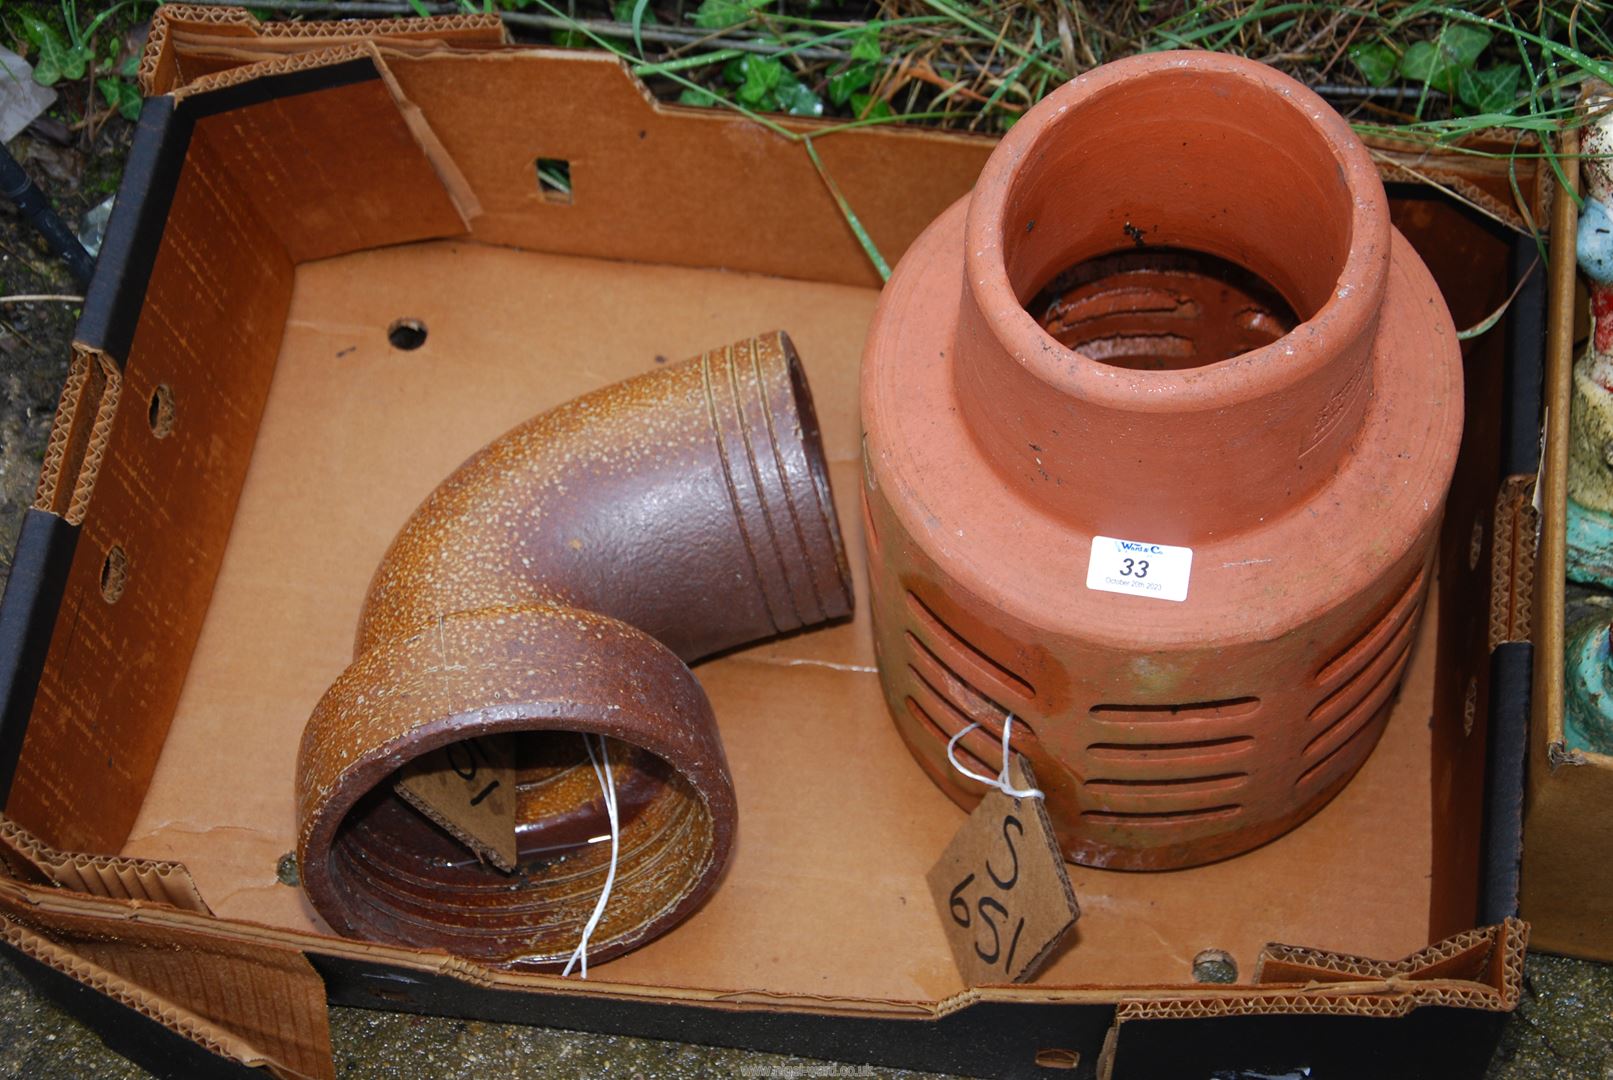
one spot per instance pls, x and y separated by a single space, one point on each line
1252 194
1161 309
400 869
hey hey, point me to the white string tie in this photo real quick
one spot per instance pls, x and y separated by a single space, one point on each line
1001 781
607 785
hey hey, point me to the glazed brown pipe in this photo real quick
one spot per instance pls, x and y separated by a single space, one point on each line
560 581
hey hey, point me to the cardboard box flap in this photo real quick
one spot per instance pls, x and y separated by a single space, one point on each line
324 150
276 169
389 977
1483 173
327 153
150 880
1467 958
188 42
262 1005
78 437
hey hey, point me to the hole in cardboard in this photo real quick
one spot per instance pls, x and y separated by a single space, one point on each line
406 334
1055 1058
554 180
285 871
114 574
1215 966
160 413
1161 309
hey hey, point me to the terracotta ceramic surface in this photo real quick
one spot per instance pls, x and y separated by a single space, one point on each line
556 584
1174 312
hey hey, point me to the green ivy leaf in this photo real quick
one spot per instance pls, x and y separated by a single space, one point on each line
721 14
796 98
866 47
1440 62
1375 61
1492 91
843 84
701 98
50 59
46 70
1423 63
1463 44
762 75
123 96
864 107
39 32
75 62
569 39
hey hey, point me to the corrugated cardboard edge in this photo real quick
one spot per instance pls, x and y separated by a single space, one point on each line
1354 986
62 432
1512 561
111 876
78 436
1411 162
263 1010
158 72
283 65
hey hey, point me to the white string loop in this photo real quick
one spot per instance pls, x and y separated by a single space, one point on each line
1001 781
607 785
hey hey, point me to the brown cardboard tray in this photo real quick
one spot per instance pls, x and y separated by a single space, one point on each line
183 598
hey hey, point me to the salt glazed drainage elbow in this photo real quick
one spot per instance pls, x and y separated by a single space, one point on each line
1173 311
558 583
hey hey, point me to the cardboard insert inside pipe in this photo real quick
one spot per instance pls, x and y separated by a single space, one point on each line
557 584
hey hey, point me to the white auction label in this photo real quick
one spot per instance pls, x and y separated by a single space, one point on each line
1157 571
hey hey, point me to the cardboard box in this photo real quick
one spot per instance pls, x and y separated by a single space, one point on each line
1567 883
237 444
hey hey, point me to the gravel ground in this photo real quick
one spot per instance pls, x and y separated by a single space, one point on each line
1563 1028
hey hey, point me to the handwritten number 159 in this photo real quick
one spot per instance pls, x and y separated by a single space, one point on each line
989 907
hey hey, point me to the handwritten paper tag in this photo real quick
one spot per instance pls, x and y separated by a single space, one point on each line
1001 888
468 788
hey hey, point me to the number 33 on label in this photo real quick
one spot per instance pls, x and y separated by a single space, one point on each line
1140 568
